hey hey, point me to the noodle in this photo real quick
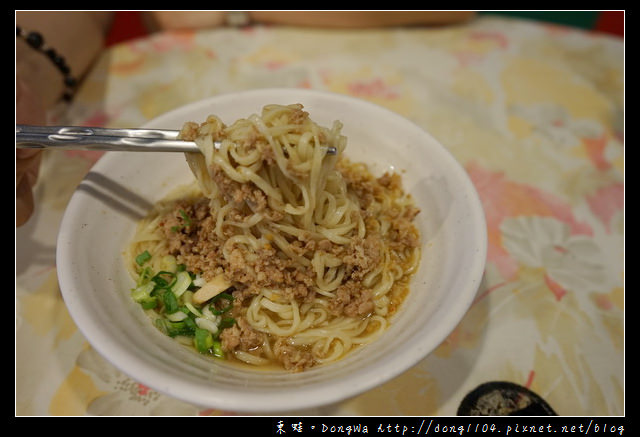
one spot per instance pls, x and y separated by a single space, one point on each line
315 253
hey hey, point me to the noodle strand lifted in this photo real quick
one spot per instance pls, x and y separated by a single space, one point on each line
296 256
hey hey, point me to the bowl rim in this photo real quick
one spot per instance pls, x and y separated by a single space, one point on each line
292 399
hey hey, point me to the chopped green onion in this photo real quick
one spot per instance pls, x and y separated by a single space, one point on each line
173 329
193 309
169 263
173 288
216 349
187 222
184 309
150 303
178 316
170 302
185 217
145 276
203 340
207 324
164 279
142 292
225 296
181 284
190 324
143 258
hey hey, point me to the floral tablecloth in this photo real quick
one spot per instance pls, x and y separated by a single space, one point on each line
533 112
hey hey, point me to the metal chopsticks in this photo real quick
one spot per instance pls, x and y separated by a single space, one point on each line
106 139
95 138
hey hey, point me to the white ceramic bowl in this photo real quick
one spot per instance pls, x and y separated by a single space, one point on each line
120 188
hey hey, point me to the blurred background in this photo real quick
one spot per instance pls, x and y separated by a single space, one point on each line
129 24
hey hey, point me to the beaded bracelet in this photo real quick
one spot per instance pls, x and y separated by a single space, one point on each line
36 41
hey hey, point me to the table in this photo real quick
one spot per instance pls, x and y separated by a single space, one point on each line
533 112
